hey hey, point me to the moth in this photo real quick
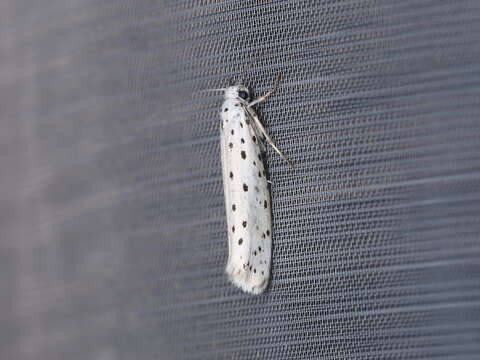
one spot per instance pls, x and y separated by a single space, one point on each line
246 189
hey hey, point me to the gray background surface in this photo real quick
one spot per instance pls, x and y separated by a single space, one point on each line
112 224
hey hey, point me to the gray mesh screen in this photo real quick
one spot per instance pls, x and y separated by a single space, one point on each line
113 232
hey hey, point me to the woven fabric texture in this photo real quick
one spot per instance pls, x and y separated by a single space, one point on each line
112 224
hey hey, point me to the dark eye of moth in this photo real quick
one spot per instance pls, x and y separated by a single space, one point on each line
243 94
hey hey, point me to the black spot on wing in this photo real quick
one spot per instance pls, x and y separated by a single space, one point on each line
243 154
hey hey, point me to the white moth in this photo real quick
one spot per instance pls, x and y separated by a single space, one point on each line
246 188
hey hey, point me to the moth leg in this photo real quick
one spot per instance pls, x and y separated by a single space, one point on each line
267 94
253 116
260 138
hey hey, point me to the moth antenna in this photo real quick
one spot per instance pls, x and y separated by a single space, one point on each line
211 90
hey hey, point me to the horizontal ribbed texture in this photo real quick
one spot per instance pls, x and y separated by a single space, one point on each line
113 226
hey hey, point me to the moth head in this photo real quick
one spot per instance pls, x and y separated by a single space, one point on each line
237 92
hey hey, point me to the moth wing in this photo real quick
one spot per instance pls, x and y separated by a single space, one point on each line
247 202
